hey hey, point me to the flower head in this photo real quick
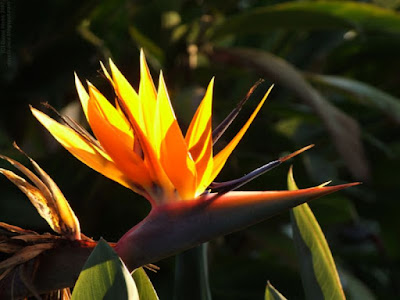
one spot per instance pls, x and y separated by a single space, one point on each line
139 142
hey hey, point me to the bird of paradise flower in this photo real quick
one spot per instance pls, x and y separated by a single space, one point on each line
140 145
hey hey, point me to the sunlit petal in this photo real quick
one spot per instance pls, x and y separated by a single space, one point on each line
116 138
172 150
222 156
83 95
86 152
199 139
147 98
162 188
126 93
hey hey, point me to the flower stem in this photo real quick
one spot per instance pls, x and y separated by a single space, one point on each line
191 274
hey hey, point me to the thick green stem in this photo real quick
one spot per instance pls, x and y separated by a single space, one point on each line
191 274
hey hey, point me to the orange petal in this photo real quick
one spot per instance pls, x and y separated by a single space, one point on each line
126 93
172 150
83 150
116 138
222 156
152 163
83 95
147 98
199 138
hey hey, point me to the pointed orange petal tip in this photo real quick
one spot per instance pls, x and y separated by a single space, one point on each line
287 157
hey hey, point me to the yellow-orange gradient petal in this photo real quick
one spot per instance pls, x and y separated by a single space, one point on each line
199 137
82 149
172 149
162 190
117 141
126 93
110 114
222 156
83 95
147 98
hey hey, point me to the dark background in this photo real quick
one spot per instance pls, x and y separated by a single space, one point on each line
46 41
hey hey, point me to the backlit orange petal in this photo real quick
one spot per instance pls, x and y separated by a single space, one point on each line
126 93
83 150
83 95
162 190
201 122
199 137
106 124
147 98
222 156
172 149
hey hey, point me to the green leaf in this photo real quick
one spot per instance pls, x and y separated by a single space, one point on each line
318 271
272 293
104 276
364 93
309 15
144 285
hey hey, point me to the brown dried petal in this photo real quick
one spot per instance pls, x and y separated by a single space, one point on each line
16 229
29 238
37 198
25 254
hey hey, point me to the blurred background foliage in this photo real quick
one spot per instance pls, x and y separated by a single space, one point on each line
335 66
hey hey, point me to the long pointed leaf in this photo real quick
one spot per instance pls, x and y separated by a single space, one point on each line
272 293
144 285
364 93
309 15
318 271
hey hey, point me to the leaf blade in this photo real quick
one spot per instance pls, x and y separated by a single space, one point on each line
319 275
271 293
364 93
311 15
145 287
104 276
